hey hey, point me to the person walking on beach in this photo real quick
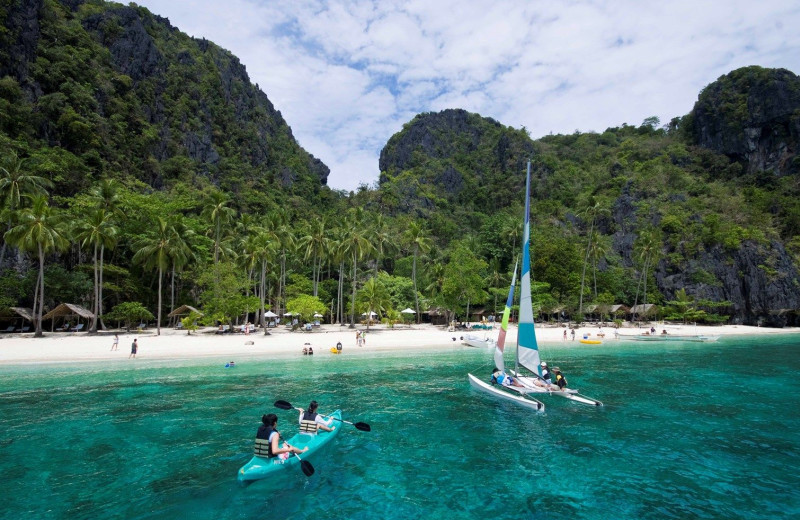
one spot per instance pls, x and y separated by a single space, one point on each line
572 333
115 343
565 334
134 348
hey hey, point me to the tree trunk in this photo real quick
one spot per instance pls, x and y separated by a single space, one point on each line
38 316
414 276
158 323
353 300
100 300
93 326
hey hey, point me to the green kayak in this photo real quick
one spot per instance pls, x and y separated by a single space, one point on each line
260 467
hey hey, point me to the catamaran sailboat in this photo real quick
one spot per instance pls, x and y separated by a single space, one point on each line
527 347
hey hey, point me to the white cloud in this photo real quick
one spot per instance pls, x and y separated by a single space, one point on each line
347 74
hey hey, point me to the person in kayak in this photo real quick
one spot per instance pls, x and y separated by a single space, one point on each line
268 440
501 378
311 421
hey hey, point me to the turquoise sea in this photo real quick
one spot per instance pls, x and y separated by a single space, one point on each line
688 430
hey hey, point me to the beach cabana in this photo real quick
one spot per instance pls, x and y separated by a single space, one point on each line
183 310
69 311
643 310
24 314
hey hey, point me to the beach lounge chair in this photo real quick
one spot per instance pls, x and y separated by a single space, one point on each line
77 328
64 328
9 329
26 328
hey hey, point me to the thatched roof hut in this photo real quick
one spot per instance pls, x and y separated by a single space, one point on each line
183 310
24 312
645 309
68 311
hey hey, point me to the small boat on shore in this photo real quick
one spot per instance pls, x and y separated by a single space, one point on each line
260 468
591 341
667 337
472 340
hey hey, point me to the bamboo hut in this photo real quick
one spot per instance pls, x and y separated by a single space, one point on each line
67 312
23 314
183 310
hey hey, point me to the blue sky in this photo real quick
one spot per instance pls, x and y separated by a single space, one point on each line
346 75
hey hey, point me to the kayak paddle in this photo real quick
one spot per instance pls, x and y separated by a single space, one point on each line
364 427
306 466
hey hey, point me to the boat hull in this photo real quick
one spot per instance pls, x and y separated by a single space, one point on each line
477 342
260 468
668 337
567 393
591 341
500 392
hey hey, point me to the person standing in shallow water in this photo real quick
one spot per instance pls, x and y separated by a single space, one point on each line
134 348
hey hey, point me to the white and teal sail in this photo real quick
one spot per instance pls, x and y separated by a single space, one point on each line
501 337
527 348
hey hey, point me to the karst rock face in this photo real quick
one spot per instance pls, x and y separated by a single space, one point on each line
125 71
752 115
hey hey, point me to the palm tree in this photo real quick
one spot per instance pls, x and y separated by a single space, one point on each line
496 279
107 197
315 243
96 230
181 250
598 250
39 229
647 250
154 251
417 237
15 186
265 252
354 245
382 241
337 254
278 226
592 211
374 297
217 211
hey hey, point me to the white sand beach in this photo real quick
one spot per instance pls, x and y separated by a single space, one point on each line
58 347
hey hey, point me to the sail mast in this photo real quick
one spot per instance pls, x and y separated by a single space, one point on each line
527 348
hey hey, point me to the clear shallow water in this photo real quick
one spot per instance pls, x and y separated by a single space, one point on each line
682 435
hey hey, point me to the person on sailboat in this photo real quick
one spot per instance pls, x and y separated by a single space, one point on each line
546 374
501 378
561 381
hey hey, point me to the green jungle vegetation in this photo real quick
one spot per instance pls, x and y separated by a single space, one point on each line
104 206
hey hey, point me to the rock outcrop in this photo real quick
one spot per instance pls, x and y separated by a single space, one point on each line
752 115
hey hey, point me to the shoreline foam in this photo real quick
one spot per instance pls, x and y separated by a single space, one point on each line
16 349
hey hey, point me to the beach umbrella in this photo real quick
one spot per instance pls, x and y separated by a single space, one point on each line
270 314
370 313
287 314
317 315
407 311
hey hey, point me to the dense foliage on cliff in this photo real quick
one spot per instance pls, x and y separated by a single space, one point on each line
96 90
623 201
